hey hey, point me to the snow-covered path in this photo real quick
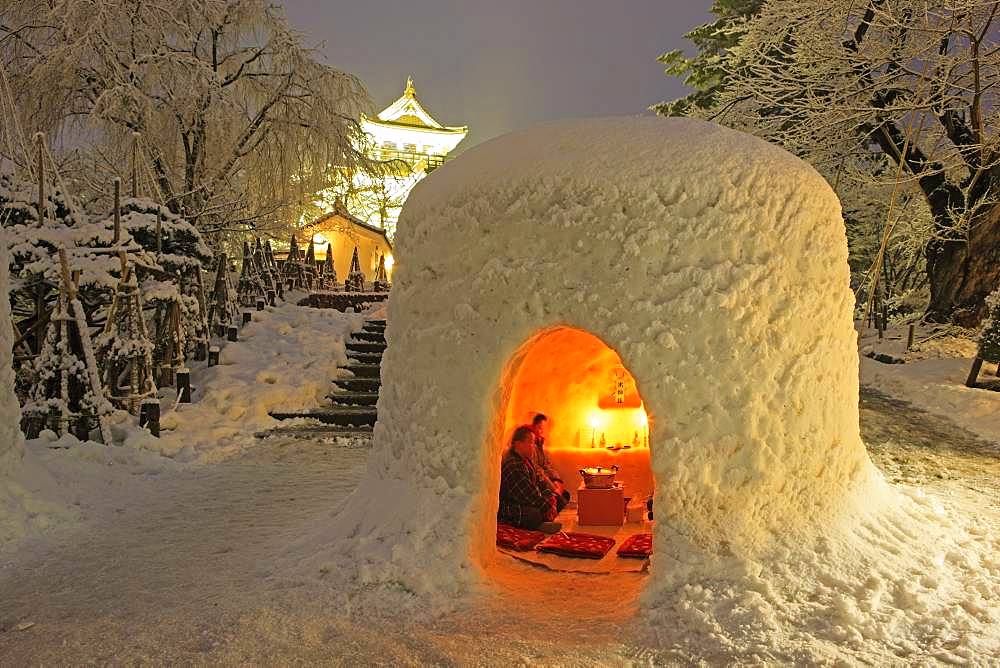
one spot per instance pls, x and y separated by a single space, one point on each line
187 577
165 580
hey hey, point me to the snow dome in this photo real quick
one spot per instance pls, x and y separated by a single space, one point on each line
704 266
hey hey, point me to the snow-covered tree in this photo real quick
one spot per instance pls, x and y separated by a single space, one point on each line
704 72
238 121
838 82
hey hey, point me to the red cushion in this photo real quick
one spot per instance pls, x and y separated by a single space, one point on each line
640 545
517 539
570 544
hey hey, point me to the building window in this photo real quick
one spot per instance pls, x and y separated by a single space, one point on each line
410 148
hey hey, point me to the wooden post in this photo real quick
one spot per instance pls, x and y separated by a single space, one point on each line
135 167
201 351
184 386
159 231
40 140
149 415
213 355
232 333
247 317
260 303
977 364
909 338
118 214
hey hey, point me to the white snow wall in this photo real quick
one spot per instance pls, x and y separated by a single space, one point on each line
714 263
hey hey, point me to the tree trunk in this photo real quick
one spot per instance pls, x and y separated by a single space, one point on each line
962 274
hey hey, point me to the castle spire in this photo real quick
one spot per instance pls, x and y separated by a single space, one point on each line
409 92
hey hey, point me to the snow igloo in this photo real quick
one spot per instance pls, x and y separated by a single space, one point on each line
707 267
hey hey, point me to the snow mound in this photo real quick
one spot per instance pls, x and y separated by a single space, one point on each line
713 263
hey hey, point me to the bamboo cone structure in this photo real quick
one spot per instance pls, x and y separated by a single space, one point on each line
126 351
355 281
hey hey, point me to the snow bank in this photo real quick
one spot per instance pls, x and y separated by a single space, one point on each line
712 262
933 378
285 359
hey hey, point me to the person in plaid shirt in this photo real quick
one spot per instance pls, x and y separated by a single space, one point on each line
526 499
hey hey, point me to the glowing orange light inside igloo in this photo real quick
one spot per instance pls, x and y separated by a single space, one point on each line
596 416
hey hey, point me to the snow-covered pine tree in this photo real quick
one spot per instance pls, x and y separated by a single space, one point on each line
329 270
260 261
292 271
65 392
310 263
182 254
355 281
222 305
250 286
125 349
381 281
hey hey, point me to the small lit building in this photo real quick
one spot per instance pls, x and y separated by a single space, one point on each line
346 232
413 144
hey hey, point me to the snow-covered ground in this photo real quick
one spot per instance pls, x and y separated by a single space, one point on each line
197 559
286 358
933 377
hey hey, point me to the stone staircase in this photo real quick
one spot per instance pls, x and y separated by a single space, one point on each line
352 401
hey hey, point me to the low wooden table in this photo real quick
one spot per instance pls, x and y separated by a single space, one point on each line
601 507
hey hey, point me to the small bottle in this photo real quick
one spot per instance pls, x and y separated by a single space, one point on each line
604 443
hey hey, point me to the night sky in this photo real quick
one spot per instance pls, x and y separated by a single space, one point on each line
499 66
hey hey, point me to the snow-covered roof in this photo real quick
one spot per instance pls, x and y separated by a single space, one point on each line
408 112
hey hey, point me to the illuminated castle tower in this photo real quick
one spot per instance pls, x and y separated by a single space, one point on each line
406 133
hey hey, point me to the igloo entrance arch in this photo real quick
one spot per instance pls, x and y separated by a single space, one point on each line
595 411
716 265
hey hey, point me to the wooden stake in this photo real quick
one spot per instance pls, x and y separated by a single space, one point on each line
135 154
184 386
118 214
40 139
149 415
159 231
909 338
977 364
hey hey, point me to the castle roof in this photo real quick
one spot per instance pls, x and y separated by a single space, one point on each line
407 112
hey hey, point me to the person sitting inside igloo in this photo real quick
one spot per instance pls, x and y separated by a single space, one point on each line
540 425
526 498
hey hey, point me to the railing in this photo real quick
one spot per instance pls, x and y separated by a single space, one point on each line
432 160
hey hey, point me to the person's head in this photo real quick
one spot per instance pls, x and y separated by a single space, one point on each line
523 442
540 424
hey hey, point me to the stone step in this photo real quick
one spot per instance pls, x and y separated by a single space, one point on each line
371 337
364 370
365 347
358 384
344 416
354 398
376 329
375 321
364 358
